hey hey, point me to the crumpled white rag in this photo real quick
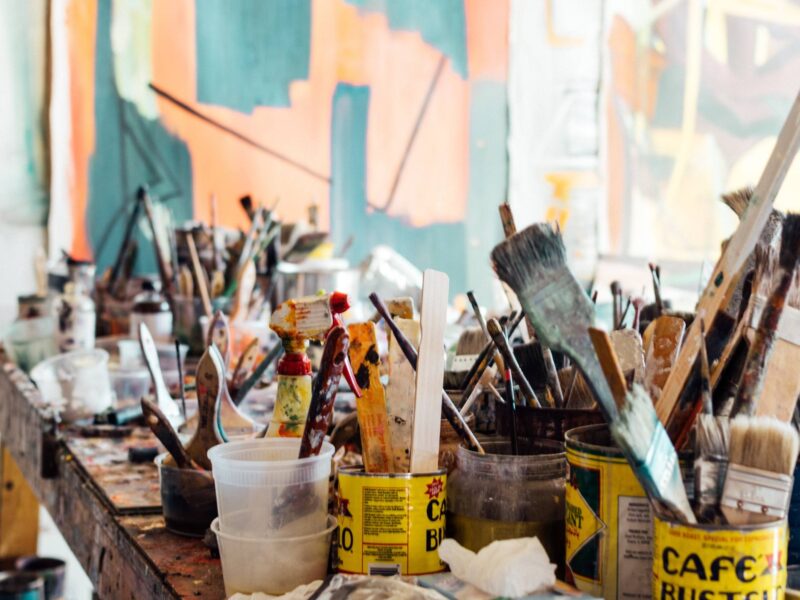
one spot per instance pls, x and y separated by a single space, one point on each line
512 568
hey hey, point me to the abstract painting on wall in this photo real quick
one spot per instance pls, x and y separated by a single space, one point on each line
390 116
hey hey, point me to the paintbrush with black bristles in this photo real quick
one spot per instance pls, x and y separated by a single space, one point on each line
533 263
761 349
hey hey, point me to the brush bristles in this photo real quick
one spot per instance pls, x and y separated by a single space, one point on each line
471 341
764 443
766 263
712 436
738 200
636 422
525 254
790 242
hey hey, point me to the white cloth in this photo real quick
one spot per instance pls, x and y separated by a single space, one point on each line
511 568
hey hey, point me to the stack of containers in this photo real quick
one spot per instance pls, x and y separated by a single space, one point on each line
273 529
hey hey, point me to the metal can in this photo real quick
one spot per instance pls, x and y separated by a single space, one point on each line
719 561
391 523
608 519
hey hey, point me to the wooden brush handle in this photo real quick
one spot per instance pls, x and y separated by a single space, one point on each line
245 364
485 357
199 275
164 269
324 395
209 381
160 426
450 410
610 365
219 335
500 340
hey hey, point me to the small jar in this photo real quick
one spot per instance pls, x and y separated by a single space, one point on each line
499 496
75 313
151 308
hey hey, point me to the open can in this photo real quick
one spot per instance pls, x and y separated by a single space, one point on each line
391 523
719 561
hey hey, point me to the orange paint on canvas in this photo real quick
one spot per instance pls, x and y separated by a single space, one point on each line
487 38
82 24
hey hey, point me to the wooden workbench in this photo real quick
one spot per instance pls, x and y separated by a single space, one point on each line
125 555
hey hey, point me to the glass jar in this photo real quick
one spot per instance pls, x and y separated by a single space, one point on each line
499 496
75 314
151 308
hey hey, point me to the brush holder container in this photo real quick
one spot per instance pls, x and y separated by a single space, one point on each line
498 496
188 498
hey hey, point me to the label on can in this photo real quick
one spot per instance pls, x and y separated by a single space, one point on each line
608 529
391 524
705 563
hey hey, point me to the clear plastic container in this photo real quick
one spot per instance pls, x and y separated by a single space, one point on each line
188 499
499 496
30 341
273 565
264 490
76 383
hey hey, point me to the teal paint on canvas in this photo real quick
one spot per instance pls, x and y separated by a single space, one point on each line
249 51
441 23
439 246
130 150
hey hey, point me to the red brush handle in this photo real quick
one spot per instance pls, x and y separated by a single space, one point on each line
321 408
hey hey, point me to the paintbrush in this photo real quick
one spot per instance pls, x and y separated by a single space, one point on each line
722 283
760 350
758 485
641 436
210 380
512 411
616 301
476 309
449 409
655 274
501 342
486 357
246 202
199 274
213 223
533 263
163 430
181 384
710 448
245 364
150 353
163 270
650 453
320 409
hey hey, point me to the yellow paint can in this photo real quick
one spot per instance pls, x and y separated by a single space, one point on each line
391 523
608 521
711 562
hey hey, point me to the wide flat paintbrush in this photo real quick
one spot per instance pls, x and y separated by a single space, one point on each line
449 409
758 484
641 436
533 263
761 349
553 383
728 270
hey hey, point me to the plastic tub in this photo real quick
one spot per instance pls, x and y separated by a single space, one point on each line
51 570
188 500
76 383
263 490
273 565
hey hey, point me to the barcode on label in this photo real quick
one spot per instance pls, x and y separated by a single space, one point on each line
383 570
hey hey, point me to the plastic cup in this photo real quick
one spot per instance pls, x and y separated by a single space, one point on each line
76 383
264 490
273 565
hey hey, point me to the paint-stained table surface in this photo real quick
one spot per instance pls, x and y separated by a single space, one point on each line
127 553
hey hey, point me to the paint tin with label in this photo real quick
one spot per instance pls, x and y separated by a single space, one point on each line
713 561
391 523
608 521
